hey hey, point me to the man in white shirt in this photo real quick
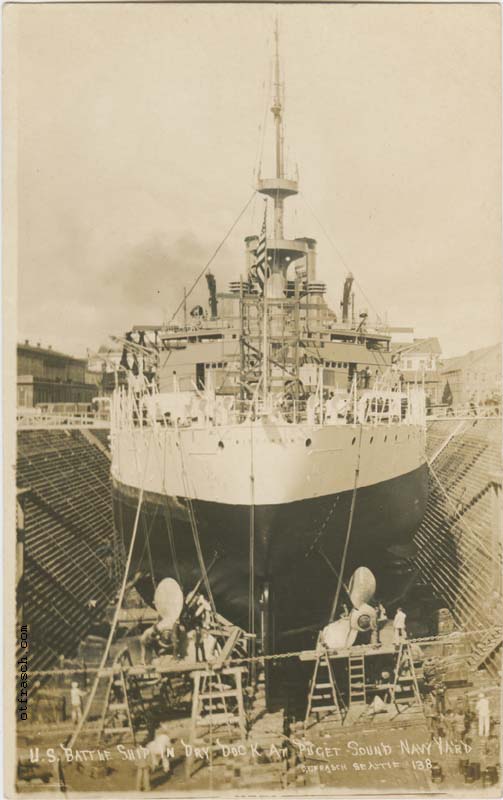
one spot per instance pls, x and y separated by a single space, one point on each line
76 696
158 748
484 715
399 631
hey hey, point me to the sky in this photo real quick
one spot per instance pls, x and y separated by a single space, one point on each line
140 130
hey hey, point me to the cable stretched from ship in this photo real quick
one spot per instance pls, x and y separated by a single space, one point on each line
445 638
338 252
100 670
212 258
348 532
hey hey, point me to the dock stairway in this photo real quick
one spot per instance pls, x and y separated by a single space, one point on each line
485 653
324 699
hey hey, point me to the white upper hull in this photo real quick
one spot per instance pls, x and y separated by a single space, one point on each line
264 463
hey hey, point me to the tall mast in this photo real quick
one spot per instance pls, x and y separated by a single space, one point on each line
277 110
277 107
281 252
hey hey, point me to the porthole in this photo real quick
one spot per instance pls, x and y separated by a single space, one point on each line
385 438
371 439
353 440
308 442
396 437
221 445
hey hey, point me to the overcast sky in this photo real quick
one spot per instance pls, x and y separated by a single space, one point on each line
139 130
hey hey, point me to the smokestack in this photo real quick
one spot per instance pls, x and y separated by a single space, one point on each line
212 287
346 296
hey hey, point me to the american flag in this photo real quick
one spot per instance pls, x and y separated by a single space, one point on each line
260 269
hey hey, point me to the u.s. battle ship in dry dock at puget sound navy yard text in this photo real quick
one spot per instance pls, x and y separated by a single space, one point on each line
266 450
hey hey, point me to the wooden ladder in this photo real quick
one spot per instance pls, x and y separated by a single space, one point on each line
323 693
405 686
216 703
123 704
357 689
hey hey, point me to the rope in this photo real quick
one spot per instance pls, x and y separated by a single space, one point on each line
215 253
166 510
445 638
117 610
338 252
193 525
348 533
251 586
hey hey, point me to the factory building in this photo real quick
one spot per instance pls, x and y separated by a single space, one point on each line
47 376
475 376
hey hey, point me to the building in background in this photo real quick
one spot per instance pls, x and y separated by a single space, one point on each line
419 361
105 365
474 377
47 376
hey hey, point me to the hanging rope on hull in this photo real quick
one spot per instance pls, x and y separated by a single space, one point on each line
348 532
118 606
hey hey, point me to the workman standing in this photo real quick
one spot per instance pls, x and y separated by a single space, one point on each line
399 630
143 766
203 611
158 748
483 714
76 695
382 619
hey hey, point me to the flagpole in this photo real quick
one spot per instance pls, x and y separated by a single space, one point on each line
265 342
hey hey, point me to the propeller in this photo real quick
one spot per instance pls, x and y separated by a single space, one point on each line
168 601
342 633
362 587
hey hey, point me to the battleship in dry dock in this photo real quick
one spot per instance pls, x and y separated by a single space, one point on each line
266 450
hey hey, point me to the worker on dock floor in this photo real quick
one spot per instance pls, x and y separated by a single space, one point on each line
143 765
76 695
483 714
158 748
399 630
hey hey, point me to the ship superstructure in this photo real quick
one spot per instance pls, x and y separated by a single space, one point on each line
266 447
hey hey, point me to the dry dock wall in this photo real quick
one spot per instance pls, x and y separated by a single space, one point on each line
70 563
459 541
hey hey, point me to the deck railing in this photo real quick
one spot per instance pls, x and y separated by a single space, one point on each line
137 407
27 421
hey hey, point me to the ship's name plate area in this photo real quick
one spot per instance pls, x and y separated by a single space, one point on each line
342 756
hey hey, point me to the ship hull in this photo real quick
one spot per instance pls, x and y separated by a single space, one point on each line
297 547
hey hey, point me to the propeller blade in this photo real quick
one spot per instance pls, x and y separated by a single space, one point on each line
168 601
362 586
337 634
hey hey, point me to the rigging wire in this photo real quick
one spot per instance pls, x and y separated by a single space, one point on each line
118 607
213 256
193 523
348 533
338 252
251 586
167 511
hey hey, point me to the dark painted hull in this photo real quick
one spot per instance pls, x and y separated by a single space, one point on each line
292 544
